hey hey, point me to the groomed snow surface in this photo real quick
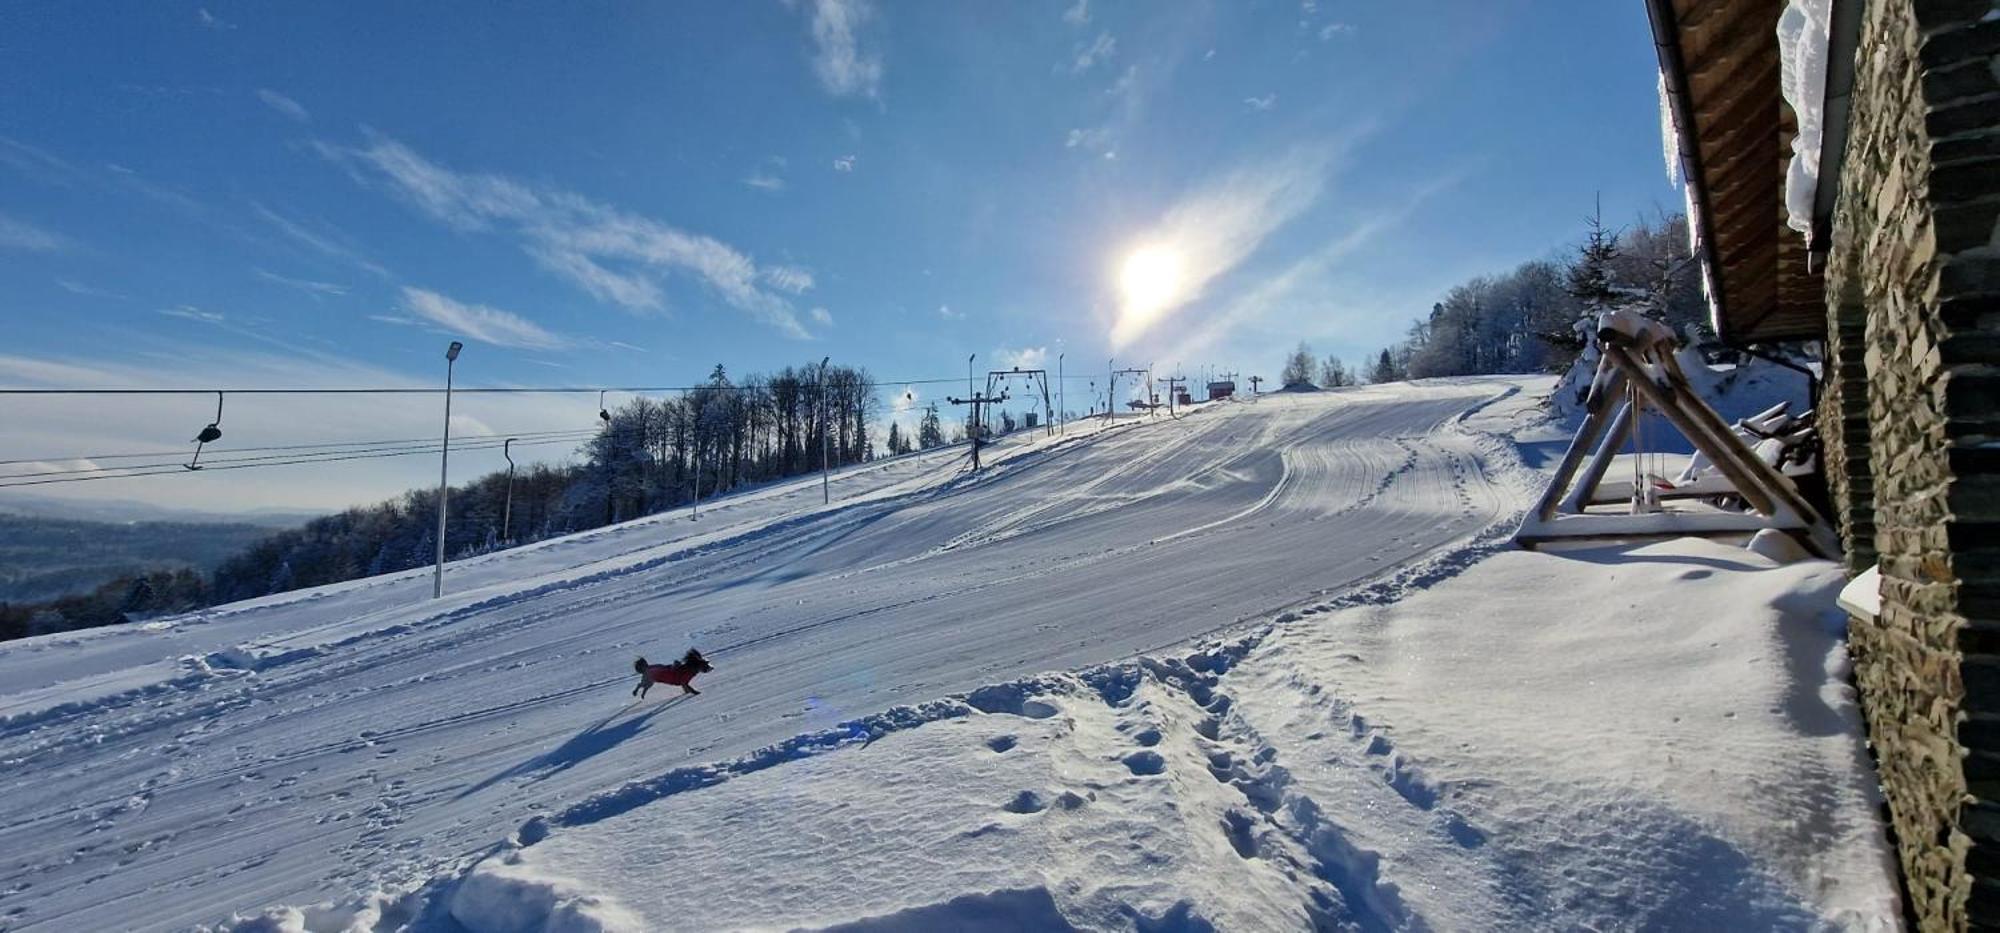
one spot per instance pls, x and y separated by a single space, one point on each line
1270 666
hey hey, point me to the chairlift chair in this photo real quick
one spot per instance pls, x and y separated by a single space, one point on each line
208 435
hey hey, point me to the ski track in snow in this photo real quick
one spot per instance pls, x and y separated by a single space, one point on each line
303 747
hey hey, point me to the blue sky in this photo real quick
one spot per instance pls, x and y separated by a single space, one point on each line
237 194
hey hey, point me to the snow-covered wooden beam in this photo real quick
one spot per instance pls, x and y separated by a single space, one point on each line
1636 370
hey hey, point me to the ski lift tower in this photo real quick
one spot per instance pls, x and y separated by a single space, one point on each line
999 378
979 402
1111 398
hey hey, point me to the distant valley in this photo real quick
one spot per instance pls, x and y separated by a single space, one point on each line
43 558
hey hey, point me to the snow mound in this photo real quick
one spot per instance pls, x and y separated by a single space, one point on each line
1777 546
503 896
988 912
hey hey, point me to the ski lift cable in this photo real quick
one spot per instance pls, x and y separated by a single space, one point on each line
474 442
180 470
485 443
491 390
244 450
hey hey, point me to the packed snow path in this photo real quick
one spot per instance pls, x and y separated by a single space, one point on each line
294 748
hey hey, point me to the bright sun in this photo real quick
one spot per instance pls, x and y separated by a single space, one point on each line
1151 278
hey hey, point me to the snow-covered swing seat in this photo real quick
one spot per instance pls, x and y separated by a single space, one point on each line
1637 369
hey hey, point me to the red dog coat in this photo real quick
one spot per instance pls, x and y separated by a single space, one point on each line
670 674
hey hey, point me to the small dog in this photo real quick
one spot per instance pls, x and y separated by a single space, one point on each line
680 674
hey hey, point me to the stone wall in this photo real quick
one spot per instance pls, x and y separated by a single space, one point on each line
1915 278
1843 421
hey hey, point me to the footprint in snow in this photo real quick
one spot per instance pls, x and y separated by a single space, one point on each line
1145 763
1465 834
1026 801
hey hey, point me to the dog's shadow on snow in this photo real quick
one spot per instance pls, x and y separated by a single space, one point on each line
595 739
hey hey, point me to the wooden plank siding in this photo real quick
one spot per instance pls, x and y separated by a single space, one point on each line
1720 57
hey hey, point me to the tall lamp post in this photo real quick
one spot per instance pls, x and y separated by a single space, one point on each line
825 490
1062 399
444 465
507 514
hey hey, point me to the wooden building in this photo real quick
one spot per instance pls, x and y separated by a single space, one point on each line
1898 275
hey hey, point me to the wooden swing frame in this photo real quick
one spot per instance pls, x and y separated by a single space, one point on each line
1637 361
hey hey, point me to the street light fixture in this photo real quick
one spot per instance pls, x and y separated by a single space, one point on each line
444 465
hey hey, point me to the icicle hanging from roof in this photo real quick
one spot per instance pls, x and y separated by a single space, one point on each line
1802 54
1670 136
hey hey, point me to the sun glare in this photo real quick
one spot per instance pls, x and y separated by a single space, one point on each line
1151 278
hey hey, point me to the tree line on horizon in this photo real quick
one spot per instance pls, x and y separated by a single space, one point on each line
1524 320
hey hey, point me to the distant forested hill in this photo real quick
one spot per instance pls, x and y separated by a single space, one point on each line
45 558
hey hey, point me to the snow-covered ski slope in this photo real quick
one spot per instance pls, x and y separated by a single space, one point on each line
300 747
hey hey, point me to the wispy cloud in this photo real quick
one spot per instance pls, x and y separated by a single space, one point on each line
323 243
1262 104
844 68
1021 358
37 163
945 311
843 163
479 322
1297 293
210 20
1125 82
768 175
795 279
284 105
22 235
310 287
622 345
1078 15
1096 139
1089 54
1214 228
192 313
822 317
615 255
79 288
1333 29
44 167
